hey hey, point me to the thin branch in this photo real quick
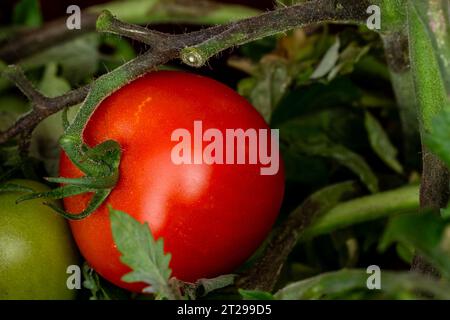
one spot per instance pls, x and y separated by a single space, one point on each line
434 194
271 23
165 47
30 42
30 120
203 12
266 270
16 75
107 23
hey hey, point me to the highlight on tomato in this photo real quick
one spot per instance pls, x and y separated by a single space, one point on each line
212 213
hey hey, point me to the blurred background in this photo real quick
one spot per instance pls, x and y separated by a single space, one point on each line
53 9
327 88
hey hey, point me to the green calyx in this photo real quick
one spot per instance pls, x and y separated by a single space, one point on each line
100 165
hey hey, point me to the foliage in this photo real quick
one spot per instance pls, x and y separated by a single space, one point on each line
328 90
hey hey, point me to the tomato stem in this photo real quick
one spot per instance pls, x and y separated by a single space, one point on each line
271 23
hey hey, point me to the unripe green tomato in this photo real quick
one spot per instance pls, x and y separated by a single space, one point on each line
36 247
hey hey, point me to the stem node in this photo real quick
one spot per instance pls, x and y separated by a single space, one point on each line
193 57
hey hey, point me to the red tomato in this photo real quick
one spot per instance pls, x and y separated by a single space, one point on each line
211 217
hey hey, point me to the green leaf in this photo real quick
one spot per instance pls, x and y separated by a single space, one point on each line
323 134
255 295
328 197
438 139
82 51
434 22
188 12
373 67
51 84
13 187
347 60
295 164
27 13
11 107
266 88
346 158
429 64
445 212
381 144
321 145
328 61
316 97
44 143
406 253
121 52
352 283
142 253
255 50
427 232
363 209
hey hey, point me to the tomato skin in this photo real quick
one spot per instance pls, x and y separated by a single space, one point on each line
36 248
212 217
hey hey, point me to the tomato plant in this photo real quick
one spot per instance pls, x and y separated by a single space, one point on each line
211 217
36 248
155 192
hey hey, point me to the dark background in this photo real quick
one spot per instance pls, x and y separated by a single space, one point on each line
52 9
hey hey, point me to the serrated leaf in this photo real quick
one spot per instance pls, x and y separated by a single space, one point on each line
381 143
142 253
